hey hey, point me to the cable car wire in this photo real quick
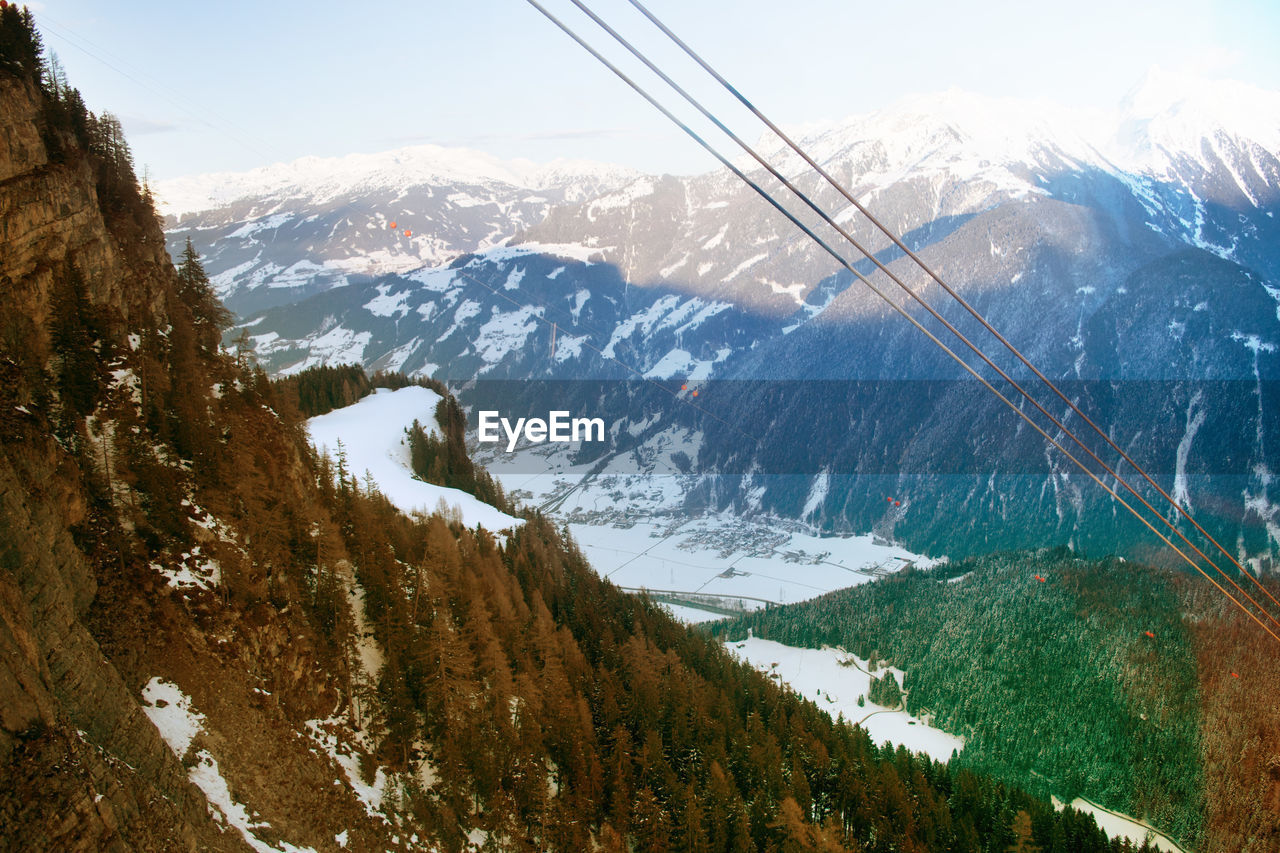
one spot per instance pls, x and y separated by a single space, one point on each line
933 275
696 104
897 308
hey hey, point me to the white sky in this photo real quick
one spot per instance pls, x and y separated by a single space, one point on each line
232 85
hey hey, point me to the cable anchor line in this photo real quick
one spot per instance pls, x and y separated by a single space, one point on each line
897 308
977 315
827 218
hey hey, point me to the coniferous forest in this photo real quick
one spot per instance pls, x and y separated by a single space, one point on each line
1066 676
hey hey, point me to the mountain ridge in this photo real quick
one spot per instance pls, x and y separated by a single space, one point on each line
409 166
1070 256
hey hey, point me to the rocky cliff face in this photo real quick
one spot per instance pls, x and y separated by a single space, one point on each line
112 642
64 704
50 216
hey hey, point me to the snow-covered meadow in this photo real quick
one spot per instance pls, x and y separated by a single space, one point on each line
739 563
374 439
834 679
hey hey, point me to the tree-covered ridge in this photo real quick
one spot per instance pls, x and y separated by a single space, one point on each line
562 711
1055 683
1239 681
322 388
69 131
437 451
443 459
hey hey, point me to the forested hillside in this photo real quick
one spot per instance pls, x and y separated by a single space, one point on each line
1069 677
212 639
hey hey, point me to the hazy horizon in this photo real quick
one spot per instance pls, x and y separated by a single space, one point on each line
232 86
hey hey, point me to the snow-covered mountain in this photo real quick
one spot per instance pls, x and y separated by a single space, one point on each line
1132 246
282 232
322 179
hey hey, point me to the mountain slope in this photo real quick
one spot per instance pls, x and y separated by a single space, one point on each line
283 232
992 654
211 638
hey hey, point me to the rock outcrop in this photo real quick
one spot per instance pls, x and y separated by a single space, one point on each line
63 705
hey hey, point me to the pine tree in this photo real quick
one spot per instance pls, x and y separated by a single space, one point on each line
20 45
55 78
1023 841
208 314
74 332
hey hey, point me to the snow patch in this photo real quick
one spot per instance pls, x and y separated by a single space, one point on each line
717 239
171 712
505 332
749 262
514 278
372 432
817 494
1195 419
387 304
833 680
190 570
323 733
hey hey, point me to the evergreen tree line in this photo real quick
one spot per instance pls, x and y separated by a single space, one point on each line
442 459
70 132
885 690
1239 680
1055 684
320 389
21 49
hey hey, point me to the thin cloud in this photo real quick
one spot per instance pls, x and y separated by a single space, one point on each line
1214 59
492 138
139 126
589 133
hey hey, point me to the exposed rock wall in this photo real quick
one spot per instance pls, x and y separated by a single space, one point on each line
82 762
50 217
88 616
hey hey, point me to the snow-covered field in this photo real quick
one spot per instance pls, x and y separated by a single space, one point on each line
738 563
373 437
1117 825
629 519
834 679
690 615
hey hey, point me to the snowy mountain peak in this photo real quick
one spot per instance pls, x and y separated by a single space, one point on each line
1168 119
321 178
1227 102
957 135
1172 112
997 129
